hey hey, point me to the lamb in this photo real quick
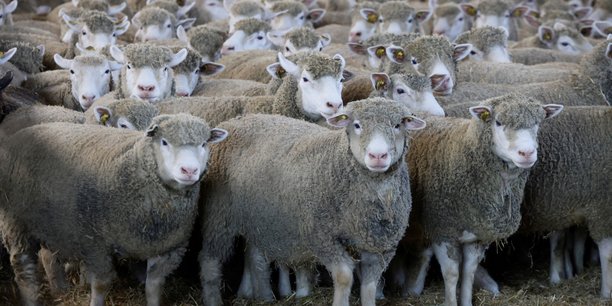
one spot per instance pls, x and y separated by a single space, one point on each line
497 13
187 73
558 37
248 34
22 59
451 19
165 164
398 17
488 44
290 15
364 18
157 24
12 97
412 90
83 80
6 11
94 29
374 47
301 39
204 39
564 176
210 11
486 200
377 120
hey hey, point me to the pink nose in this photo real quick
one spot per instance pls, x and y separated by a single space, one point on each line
378 156
89 99
146 88
526 153
189 171
332 106
182 94
355 37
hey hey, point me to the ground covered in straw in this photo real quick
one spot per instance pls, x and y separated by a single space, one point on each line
523 280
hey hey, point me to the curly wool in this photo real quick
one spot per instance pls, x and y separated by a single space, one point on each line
206 40
93 5
38 114
396 10
390 38
293 8
252 25
303 38
246 8
317 64
427 49
597 66
447 10
27 58
494 7
143 54
484 38
139 113
154 16
169 6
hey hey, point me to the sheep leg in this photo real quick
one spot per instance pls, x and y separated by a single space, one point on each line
371 268
556 256
101 277
26 275
605 258
54 270
472 255
483 280
415 285
449 256
260 275
158 268
210 278
342 274
567 258
246 287
580 236
304 279
284 282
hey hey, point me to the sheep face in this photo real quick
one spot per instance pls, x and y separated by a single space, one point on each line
181 151
403 24
449 20
411 90
126 114
495 54
96 30
242 10
299 41
377 140
186 77
242 41
214 8
514 128
363 26
90 77
6 10
497 13
563 38
158 24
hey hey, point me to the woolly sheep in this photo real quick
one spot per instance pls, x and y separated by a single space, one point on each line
558 37
239 10
172 7
74 9
230 87
488 44
337 32
451 19
247 65
157 24
373 129
187 74
210 10
12 97
165 164
509 73
301 39
37 114
48 45
22 59
364 19
410 89
398 17
534 56
204 39
374 47
94 29
290 15
565 167
248 34
497 13
487 188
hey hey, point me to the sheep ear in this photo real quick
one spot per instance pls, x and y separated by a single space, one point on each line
276 37
380 81
71 23
210 68
413 123
186 23
116 9
358 48
603 28
114 66
583 12
309 3
519 11
481 112
315 15
6 56
103 114
339 58
341 120
182 34
377 51
532 21
122 27
468 9
289 66
62 62
117 54
461 51
347 76
6 80
396 54
546 35
75 3
41 50
422 16
587 31
152 130
276 71
369 15
11 7
178 58
217 135
183 10
227 4
136 20
325 39
552 110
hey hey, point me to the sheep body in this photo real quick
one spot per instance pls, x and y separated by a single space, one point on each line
534 56
507 73
247 65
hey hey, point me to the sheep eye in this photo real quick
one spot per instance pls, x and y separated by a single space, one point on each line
260 37
507 15
114 34
163 142
302 18
565 44
204 145
1 15
197 71
400 91
473 52
84 33
409 20
129 67
320 49
165 68
123 126
357 126
107 71
71 71
460 18
169 26
414 61
397 126
497 123
287 49
305 80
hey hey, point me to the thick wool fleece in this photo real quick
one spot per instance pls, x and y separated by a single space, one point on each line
206 40
38 114
252 25
246 8
352 210
169 6
414 81
459 184
247 65
427 50
534 56
13 97
570 183
139 113
293 8
97 22
494 7
229 87
79 191
484 38
303 38
396 10
27 58
508 73
154 16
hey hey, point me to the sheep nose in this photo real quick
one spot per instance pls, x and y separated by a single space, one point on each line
146 88
182 94
189 171
354 36
526 153
439 32
378 156
436 80
333 106
89 99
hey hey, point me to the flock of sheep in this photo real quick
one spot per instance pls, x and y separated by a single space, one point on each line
336 133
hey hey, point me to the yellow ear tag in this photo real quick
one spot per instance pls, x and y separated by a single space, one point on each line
380 84
372 18
280 72
399 55
534 14
516 13
380 52
103 119
484 116
1 53
471 11
343 117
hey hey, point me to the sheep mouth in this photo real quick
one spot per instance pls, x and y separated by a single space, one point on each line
378 167
186 182
525 164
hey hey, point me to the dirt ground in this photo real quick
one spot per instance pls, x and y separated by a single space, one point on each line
523 280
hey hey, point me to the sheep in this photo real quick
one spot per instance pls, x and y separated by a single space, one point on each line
6 10
231 87
75 7
94 29
210 11
497 13
558 37
187 73
49 45
590 85
248 34
488 44
374 47
433 56
398 17
451 19
12 97
83 80
337 32
364 19
23 59
204 39
157 24
376 118
292 15
509 73
410 89
165 163
310 89
247 65
239 10
486 199
534 56
301 39
172 7
564 177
